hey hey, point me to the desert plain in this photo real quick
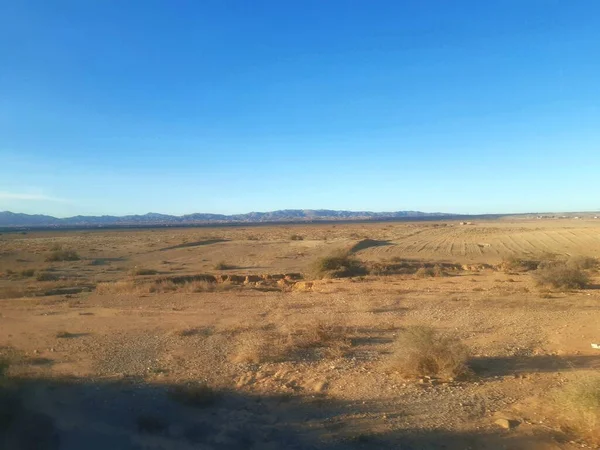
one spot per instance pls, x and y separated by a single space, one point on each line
238 337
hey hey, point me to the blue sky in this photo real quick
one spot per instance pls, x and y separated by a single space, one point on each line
119 107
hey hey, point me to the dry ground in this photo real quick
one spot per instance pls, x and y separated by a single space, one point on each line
96 348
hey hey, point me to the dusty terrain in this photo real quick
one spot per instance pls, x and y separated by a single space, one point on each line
134 345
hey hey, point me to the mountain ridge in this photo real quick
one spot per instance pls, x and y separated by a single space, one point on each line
11 219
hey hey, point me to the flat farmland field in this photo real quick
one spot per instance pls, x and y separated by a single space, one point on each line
302 336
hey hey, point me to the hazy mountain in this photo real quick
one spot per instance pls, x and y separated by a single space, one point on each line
10 219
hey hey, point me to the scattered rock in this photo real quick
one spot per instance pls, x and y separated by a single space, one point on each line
320 386
507 424
303 286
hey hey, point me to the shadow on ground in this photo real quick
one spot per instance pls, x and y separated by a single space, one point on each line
509 365
75 414
194 244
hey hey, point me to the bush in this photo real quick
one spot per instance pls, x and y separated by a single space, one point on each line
435 271
515 264
579 404
222 265
559 274
338 266
421 351
46 276
582 262
60 254
296 237
27 272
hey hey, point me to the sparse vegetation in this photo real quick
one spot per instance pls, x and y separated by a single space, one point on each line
559 274
65 335
518 264
579 406
435 271
339 265
296 237
138 271
582 262
27 272
60 254
422 351
46 276
222 265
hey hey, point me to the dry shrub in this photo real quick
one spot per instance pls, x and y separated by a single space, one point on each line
158 286
339 265
519 264
27 272
579 405
60 254
195 331
118 287
296 237
46 276
582 262
422 351
559 274
427 272
291 342
222 265
255 347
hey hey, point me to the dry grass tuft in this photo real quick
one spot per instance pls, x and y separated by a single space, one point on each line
60 254
579 405
339 265
255 347
429 272
422 351
46 276
518 264
222 265
559 274
118 287
583 262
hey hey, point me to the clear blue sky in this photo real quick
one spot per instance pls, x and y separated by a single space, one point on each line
118 107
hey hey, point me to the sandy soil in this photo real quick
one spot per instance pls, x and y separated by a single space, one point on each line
96 369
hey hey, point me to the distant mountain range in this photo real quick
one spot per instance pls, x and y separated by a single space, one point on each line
10 219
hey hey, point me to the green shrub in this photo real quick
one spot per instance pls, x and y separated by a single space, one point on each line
338 266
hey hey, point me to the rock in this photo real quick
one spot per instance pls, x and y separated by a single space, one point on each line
303 286
252 279
320 386
293 276
507 424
